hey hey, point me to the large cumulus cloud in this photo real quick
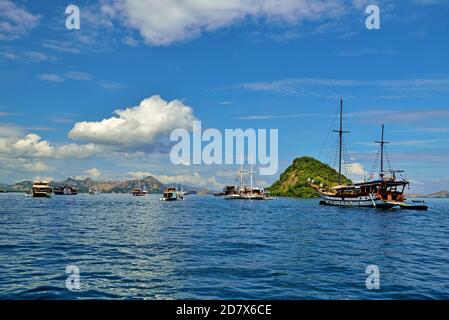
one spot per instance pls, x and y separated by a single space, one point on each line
169 21
148 124
32 146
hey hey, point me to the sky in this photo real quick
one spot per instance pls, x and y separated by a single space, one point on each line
101 101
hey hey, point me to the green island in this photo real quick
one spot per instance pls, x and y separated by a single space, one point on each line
293 182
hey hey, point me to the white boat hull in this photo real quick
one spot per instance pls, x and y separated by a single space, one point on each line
364 201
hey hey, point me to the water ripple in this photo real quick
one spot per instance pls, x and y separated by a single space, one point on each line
206 248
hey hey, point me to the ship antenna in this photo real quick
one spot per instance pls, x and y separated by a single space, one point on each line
340 133
382 143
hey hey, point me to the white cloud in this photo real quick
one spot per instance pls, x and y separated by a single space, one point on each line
78 75
32 146
93 173
140 174
356 171
411 116
149 123
170 21
130 41
10 54
19 169
61 46
110 85
15 22
50 77
10 130
36 167
334 88
278 116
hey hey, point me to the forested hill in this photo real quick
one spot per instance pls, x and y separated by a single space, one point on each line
293 182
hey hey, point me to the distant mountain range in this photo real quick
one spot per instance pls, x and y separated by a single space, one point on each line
440 194
83 185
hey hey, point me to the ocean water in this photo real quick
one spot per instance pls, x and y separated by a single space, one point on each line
207 248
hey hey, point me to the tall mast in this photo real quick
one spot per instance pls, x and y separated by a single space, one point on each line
382 143
251 177
340 133
241 172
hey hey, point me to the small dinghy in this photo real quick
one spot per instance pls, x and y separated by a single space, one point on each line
415 205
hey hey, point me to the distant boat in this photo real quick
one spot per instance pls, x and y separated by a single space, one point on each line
414 206
243 192
230 193
139 191
41 189
65 190
28 194
94 191
385 192
183 193
171 194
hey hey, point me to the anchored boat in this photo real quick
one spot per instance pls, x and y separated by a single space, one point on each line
94 191
414 205
171 194
41 189
65 190
245 192
139 191
385 192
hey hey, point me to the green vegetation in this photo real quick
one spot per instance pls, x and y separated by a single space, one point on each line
293 182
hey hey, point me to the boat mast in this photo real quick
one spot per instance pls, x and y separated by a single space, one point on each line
251 177
340 133
382 143
241 172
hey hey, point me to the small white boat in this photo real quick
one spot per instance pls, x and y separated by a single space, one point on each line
94 191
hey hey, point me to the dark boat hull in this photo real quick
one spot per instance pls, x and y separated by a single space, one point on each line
65 194
41 195
420 207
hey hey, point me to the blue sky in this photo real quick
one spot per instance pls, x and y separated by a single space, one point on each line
236 64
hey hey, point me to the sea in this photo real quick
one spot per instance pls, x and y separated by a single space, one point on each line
118 246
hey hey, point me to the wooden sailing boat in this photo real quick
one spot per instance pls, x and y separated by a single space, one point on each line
171 194
233 192
140 191
246 192
385 192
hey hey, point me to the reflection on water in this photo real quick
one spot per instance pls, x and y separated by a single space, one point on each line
206 247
